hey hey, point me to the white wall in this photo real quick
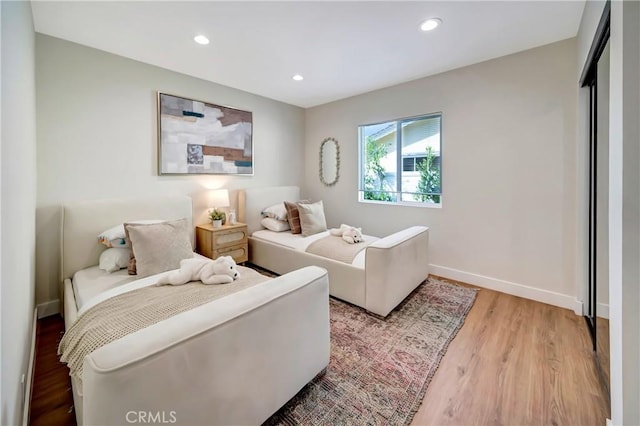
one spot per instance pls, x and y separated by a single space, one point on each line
509 180
624 212
18 197
97 138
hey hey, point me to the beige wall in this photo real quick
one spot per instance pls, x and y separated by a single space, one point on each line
509 179
97 138
18 202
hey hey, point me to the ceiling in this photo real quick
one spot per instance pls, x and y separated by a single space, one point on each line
341 48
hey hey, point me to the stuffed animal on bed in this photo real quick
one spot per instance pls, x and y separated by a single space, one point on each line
220 271
350 234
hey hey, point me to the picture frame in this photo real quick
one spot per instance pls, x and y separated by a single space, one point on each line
197 137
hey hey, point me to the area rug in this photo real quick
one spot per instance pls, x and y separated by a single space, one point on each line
380 368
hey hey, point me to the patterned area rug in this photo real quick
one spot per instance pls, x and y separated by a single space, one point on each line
380 368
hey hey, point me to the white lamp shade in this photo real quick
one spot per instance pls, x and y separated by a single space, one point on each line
220 198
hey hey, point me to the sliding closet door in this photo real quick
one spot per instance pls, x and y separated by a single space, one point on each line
595 79
590 307
602 215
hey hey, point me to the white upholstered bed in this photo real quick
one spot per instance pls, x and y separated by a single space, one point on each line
378 279
234 360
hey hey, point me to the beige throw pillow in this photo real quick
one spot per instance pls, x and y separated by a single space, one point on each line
312 219
159 247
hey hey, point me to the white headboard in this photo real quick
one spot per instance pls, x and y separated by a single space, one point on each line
83 222
252 201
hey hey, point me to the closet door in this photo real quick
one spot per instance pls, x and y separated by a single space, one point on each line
595 79
602 215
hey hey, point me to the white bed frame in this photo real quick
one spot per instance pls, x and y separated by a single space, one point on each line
394 265
235 360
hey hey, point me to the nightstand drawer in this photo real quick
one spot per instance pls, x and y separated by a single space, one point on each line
228 240
239 253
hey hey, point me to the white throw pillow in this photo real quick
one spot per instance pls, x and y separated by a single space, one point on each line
114 259
115 237
275 225
276 211
312 219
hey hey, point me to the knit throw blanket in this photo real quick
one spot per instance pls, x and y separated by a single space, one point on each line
336 248
129 312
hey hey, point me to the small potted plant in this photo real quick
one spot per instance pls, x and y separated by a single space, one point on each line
217 217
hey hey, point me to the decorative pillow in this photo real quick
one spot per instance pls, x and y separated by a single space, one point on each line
159 247
114 259
293 217
275 225
276 211
131 267
116 236
312 219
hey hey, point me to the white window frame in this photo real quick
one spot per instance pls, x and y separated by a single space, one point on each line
399 165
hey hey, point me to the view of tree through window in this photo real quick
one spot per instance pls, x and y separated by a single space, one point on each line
401 160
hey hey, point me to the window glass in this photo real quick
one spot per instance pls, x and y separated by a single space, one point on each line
401 161
379 160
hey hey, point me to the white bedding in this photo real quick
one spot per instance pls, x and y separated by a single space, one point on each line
87 283
90 282
124 288
298 242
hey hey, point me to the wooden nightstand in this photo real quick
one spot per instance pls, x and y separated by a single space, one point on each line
228 240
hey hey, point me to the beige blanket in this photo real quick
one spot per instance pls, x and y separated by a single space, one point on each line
127 313
336 248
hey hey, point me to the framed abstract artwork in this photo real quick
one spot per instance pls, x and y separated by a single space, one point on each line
196 137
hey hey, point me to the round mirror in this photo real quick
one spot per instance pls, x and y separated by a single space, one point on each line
329 161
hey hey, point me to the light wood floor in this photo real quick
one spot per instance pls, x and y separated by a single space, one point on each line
517 362
514 362
603 353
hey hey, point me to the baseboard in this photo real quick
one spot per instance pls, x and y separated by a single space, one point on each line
49 308
579 307
537 294
26 406
602 310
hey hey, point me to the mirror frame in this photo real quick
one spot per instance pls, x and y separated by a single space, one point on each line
334 181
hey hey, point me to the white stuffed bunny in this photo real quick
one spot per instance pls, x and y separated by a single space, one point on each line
350 234
220 271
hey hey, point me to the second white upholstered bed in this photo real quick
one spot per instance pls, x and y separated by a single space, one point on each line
234 360
378 279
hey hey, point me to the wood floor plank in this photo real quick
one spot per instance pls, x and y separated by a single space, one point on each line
514 361
51 400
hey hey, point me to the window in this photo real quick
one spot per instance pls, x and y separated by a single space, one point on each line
400 161
410 164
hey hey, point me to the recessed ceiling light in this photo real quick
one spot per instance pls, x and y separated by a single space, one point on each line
298 77
430 24
200 39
